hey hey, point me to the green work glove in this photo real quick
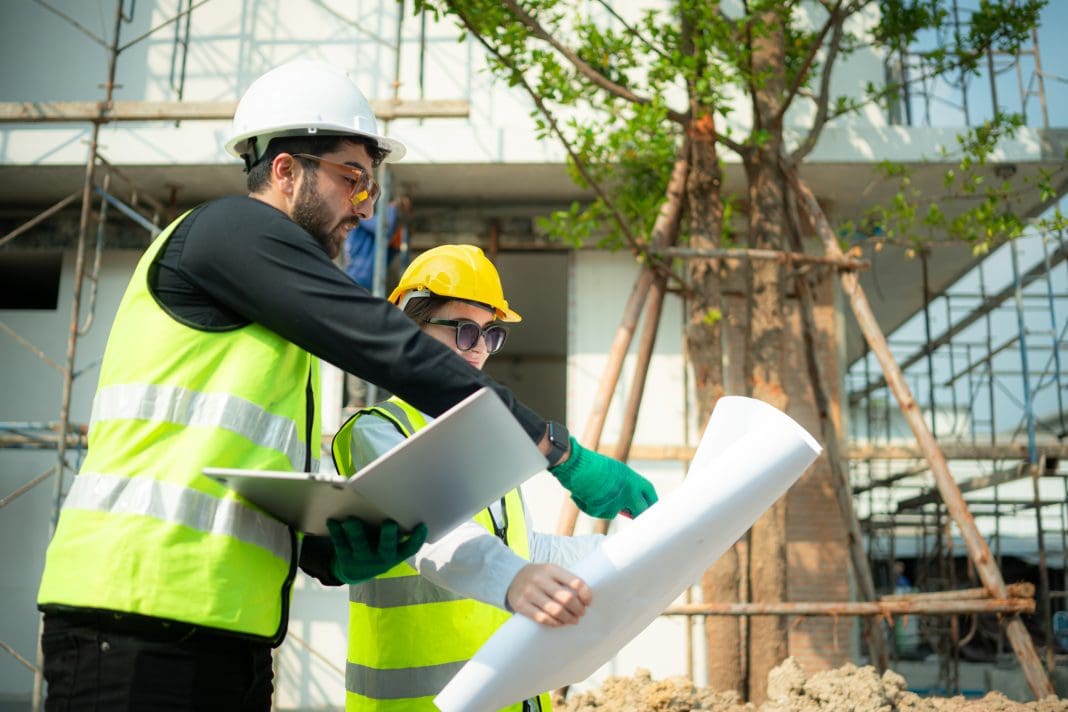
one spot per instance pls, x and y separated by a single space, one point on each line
603 487
361 552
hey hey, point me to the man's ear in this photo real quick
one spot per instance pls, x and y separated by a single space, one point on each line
284 173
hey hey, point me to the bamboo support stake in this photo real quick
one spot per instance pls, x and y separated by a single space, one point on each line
591 436
977 547
751 253
50 441
664 231
35 112
653 310
72 334
860 453
956 451
19 491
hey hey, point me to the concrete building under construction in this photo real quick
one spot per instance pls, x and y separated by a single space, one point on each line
114 122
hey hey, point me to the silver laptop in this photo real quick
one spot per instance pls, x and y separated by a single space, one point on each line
467 458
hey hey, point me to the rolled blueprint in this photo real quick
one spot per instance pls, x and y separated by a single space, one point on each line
748 457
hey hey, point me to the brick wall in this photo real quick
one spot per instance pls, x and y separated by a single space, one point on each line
817 553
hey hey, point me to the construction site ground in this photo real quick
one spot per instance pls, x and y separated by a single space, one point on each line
846 689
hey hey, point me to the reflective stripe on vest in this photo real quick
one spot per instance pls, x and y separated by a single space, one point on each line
178 505
400 591
408 636
181 406
401 684
402 418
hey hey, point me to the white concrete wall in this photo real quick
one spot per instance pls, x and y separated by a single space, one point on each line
232 43
31 392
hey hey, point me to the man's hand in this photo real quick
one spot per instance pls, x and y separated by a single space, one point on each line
549 595
603 487
362 552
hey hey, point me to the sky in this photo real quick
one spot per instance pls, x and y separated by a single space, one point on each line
946 108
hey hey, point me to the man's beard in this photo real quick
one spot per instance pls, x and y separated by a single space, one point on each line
311 213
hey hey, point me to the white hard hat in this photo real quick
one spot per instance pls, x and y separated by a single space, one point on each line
304 98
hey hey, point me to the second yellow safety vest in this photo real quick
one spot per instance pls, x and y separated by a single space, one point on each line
407 636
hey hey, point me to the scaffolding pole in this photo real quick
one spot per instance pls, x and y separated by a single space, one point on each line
977 547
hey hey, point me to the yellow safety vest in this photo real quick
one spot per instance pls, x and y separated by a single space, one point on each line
407 636
142 531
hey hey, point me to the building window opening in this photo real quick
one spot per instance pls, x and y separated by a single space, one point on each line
30 280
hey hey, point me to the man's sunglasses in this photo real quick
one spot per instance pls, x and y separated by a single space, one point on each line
362 186
468 332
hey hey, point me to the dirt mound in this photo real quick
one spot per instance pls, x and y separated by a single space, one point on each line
847 689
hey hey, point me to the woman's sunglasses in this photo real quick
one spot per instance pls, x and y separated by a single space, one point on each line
468 333
361 185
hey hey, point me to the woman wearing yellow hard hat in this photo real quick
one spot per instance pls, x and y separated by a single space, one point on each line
414 626
457 272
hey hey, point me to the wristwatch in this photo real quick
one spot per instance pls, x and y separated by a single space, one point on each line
559 442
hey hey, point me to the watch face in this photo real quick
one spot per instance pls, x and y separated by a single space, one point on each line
558 439
557 434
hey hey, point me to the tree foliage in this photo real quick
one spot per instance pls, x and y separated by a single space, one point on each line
621 92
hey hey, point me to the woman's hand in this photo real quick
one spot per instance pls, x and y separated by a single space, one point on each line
549 595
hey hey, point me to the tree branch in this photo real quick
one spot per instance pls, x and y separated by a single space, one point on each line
581 66
832 21
732 23
748 42
582 168
632 30
824 96
733 145
688 47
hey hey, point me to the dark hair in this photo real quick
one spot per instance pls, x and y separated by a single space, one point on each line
259 175
422 308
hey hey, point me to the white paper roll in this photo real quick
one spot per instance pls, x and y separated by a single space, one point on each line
748 457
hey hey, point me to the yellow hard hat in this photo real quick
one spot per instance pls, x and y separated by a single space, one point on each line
458 272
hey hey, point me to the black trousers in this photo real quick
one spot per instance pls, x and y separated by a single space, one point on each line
113 666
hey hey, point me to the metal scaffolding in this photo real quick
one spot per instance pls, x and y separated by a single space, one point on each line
989 372
985 359
927 99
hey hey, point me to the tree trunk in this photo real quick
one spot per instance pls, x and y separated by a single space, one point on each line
767 552
704 348
768 644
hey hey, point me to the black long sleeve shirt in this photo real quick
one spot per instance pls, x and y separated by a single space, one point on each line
238 260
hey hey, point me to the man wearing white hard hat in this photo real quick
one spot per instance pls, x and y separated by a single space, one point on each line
160 589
